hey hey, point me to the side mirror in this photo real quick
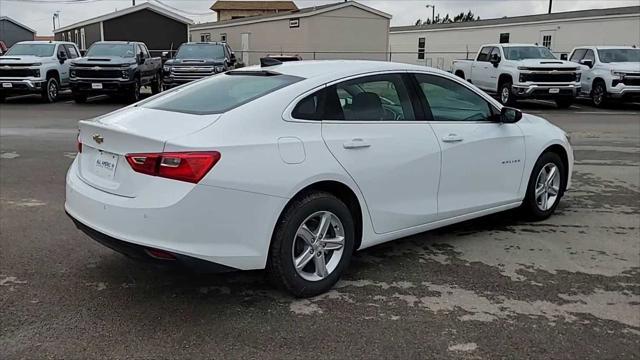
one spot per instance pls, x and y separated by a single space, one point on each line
510 115
587 62
495 59
62 56
140 58
232 58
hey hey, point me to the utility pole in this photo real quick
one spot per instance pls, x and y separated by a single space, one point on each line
550 4
433 12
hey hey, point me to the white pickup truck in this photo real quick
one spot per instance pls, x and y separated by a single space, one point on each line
520 71
36 67
609 72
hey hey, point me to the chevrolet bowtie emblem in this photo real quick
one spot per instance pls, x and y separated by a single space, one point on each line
98 138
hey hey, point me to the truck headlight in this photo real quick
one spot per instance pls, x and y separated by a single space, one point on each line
617 74
72 73
219 68
578 77
166 68
125 74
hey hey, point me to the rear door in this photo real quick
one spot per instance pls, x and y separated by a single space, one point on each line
482 160
372 127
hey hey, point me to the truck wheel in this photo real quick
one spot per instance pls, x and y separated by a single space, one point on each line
3 97
156 85
506 95
564 103
80 98
134 93
599 94
50 90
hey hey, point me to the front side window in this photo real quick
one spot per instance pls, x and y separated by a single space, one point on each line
39 50
221 93
619 55
71 51
450 101
527 52
590 55
484 53
200 51
578 55
106 49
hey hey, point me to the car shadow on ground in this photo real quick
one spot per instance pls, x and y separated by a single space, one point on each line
66 97
579 105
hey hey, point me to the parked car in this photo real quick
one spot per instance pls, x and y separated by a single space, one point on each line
609 72
293 167
115 68
194 61
519 71
36 67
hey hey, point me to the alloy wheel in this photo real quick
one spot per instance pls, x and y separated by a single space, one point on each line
504 96
598 95
52 90
318 246
547 188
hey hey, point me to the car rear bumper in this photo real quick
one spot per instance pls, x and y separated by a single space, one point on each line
226 227
538 91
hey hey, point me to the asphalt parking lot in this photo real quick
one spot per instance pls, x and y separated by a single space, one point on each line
495 287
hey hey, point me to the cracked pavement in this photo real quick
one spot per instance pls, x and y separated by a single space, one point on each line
494 287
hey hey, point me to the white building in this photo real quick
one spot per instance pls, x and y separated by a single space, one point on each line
438 45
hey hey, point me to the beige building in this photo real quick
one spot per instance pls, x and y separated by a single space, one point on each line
229 10
344 30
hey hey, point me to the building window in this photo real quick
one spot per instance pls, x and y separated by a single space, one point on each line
421 48
223 37
206 37
504 38
546 41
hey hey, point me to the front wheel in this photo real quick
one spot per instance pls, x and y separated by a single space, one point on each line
546 187
599 94
156 85
311 245
134 92
50 90
564 103
506 95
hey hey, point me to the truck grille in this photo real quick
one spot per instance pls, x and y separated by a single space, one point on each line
18 72
98 74
548 77
631 79
191 72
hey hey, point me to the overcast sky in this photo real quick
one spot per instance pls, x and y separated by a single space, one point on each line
37 14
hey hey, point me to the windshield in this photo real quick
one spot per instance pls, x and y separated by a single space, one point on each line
40 50
121 50
619 55
200 52
221 93
527 52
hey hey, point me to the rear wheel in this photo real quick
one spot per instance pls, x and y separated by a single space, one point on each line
506 95
546 187
50 90
599 94
156 85
311 245
564 103
134 92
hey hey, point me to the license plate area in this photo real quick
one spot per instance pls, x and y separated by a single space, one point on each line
96 86
554 91
7 85
105 165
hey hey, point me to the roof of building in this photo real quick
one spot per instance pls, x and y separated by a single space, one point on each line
126 11
524 19
254 5
304 12
6 18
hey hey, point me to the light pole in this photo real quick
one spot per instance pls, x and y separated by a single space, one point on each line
433 12
550 5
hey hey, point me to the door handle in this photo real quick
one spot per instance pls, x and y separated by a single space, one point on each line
356 144
452 138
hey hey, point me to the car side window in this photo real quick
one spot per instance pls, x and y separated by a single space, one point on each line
310 107
72 52
590 55
484 53
494 50
578 55
61 48
370 98
451 101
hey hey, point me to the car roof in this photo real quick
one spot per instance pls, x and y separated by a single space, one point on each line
46 42
606 47
512 45
337 68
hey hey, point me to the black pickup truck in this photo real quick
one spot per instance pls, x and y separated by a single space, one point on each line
115 68
194 61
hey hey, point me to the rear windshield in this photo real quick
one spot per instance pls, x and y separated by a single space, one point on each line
192 51
221 93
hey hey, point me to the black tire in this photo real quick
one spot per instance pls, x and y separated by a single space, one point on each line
530 207
564 103
79 97
280 265
50 90
134 92
505 94
599 94
156 84
3 98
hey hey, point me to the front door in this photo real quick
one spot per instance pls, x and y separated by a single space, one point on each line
482 160
480 69
370 127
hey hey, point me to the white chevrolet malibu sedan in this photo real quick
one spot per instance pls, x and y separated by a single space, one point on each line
291 167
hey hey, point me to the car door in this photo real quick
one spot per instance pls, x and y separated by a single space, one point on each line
587 78
72 53
482 159
479 68
491 70
64 67
145 68
379 136
576 56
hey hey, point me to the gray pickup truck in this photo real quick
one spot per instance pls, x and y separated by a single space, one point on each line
194 61
115 68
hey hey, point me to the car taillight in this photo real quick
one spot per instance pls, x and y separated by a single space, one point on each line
78 143
183 166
